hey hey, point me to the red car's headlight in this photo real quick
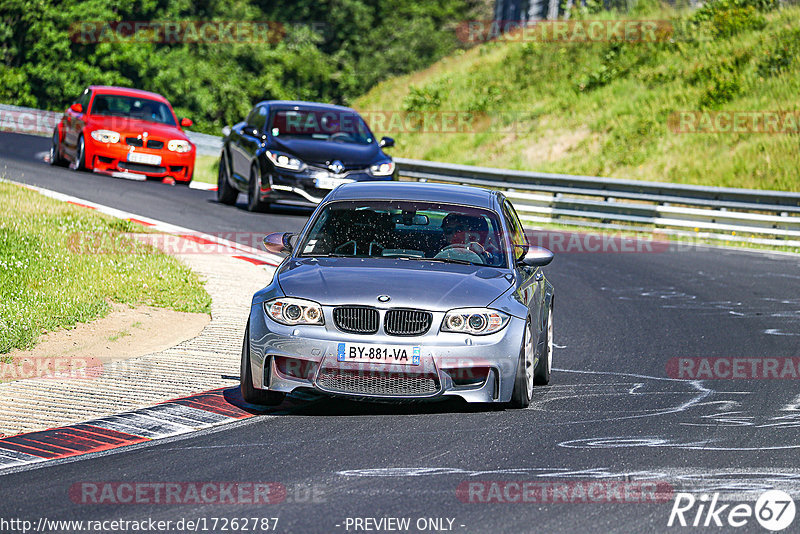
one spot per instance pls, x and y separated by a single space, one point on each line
179 145
105 136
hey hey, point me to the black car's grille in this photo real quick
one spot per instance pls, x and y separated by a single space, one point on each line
356 319
377 383
134 141
141 167
407 322
152 143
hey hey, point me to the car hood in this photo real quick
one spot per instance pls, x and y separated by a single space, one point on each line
410 284
351 155
130 127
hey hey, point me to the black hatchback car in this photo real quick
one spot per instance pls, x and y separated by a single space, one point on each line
297 152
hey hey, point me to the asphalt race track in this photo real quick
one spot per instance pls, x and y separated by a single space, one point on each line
612 413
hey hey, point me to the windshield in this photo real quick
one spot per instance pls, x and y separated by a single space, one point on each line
133 107
337 126
410 230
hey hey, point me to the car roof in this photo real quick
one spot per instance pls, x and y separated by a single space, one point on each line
420 191
126 91
306 105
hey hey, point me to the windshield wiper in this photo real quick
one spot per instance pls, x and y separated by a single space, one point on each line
440 260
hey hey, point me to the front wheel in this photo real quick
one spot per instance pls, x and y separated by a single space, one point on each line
249 393
523 381
80 156
254 202
226 193
545 365
55 151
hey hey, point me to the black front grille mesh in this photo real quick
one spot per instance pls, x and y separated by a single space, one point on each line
356 319
141 167
134 141
157 145
377 383
407 322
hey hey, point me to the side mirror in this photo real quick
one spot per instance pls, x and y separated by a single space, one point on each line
76 107
278 242
186 123
226 131
386 142
537 257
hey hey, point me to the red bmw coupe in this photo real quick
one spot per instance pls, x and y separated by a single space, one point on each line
125 133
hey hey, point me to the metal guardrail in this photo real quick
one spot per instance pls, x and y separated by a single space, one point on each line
772 217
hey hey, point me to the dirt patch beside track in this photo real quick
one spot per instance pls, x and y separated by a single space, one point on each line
126 332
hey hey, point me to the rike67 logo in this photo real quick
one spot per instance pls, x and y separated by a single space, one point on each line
774 510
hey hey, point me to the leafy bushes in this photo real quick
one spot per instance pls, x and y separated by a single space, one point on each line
329 51
724 18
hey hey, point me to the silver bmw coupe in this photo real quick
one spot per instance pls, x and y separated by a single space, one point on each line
399 291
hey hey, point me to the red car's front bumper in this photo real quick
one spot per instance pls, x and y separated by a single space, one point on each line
115 159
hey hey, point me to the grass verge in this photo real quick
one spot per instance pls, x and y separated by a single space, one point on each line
604 108
46 285
206 169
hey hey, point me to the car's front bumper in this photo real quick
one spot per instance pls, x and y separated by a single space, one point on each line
303 187
475 368
112 159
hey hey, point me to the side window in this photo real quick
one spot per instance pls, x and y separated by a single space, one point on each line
518 237
83 100
258 118
251 119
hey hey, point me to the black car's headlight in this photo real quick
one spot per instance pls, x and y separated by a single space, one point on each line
475 321
382 169
291 311
285 161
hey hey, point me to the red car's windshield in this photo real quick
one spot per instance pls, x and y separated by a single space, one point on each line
134 108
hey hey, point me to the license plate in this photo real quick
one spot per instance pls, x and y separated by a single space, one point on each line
330 182
367 353
147 159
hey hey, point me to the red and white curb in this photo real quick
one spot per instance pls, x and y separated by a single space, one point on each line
171 418
239 251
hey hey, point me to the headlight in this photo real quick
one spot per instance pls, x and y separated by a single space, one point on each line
285 161
105 136
382 169
291 311
475 321
179 145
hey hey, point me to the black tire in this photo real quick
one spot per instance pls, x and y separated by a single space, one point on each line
254 202
541 377
56 159
80 156
249 393
523 384
226 193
